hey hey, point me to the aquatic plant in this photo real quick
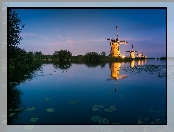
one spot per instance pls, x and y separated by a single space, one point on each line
96 118
158 111
30 109
47 99
97 107
146 121
11 114
33 119
104 121
50 110
108 110
116 123
74 102
17 109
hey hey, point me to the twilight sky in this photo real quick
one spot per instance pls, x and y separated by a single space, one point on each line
86 30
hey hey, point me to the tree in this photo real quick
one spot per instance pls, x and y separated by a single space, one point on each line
103 53
14 28
62 54
38 55
92 56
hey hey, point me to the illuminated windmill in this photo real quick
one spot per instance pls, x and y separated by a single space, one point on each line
115 45
143 56
115 72
139 55
132 55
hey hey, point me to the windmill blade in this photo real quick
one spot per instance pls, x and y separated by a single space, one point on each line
128 51
108 38
135 51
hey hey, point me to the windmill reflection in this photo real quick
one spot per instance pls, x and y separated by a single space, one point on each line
115 72
139 63
132 63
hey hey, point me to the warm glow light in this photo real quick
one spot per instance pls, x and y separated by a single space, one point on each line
123 56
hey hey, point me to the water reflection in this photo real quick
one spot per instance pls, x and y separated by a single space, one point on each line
132 64
14 103
95 64
16 77
115 72
139 63
62 65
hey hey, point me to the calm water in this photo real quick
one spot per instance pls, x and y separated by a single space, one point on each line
121 93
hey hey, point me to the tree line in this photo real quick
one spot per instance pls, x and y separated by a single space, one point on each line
65 55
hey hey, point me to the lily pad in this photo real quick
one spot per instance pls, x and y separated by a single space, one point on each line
47 99
33 119
158 120
11 114
17 109
30 109
108 110
100 106
50 110
115 123
104 121
74 102
140 122
113 107
97 107
96 118
146 119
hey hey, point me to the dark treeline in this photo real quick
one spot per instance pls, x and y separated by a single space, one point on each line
89 57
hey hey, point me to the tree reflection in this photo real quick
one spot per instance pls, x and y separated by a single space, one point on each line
63 65
14 103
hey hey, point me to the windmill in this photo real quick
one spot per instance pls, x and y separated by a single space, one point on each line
132 53
115 45
143 56
139 55
115 72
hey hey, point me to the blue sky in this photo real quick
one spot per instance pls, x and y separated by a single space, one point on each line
81 31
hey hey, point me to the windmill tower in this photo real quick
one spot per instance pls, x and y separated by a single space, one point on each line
115 72
115 45
132 55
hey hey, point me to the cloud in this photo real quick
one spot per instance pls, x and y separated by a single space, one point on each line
34 34
69 41
135 39
68 37
59 36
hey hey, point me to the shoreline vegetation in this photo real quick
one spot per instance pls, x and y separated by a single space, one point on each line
84 59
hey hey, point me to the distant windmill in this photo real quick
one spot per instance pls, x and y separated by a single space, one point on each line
143 56
132 55
139 55
115 45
